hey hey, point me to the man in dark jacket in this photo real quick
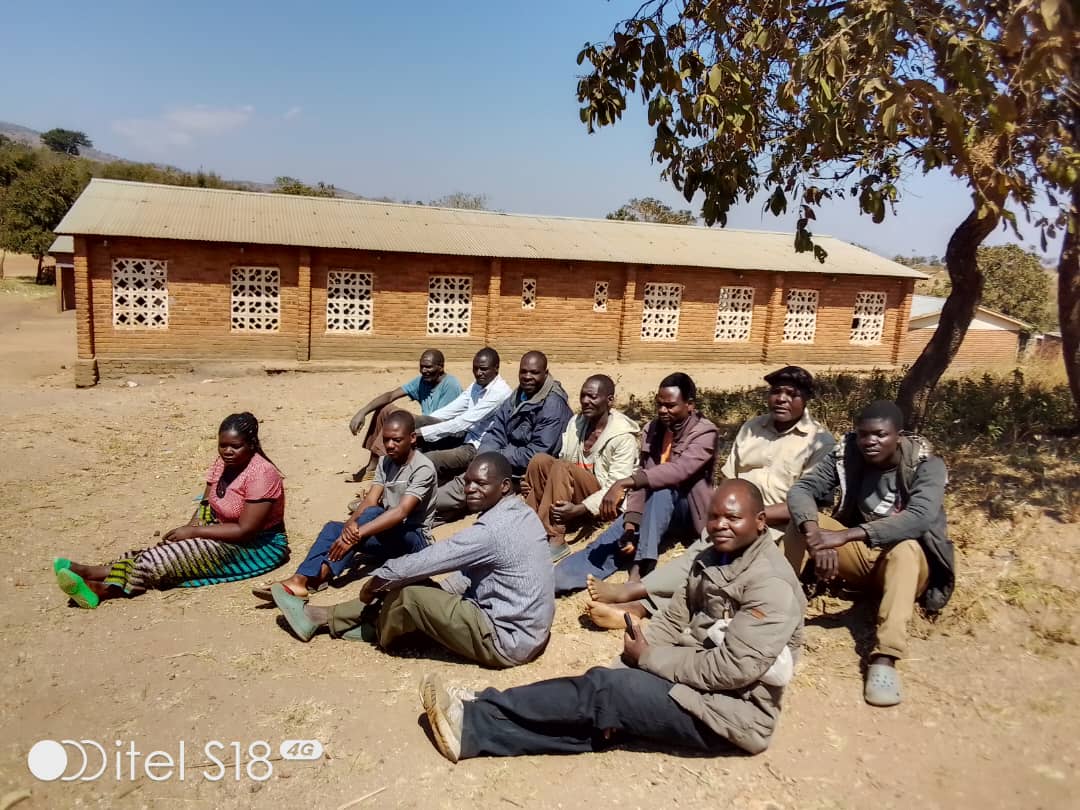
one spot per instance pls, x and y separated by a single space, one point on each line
668 496
530 421
887 535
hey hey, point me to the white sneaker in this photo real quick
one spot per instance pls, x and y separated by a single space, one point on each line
445 713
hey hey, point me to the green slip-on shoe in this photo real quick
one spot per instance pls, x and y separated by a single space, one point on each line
60 564
76 588
292 608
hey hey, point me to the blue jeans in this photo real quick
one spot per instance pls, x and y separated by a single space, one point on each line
667 511
391 543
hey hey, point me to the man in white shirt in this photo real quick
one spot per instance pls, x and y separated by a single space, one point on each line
450 435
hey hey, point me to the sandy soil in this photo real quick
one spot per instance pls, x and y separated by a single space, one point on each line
989 718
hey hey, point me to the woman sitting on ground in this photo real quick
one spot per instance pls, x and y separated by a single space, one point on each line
237 532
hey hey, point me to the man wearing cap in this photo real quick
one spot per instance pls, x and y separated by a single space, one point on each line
772 451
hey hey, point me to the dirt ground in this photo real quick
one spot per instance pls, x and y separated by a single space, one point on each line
990 715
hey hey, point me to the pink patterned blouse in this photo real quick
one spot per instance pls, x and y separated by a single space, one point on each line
259 481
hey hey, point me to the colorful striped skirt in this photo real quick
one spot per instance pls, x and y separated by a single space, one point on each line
198 561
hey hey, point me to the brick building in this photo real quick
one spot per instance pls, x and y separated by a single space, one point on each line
62 251
992 339
166 275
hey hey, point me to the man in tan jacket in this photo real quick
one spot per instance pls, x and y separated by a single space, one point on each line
600 446
708 672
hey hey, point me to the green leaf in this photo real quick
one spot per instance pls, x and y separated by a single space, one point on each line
716 77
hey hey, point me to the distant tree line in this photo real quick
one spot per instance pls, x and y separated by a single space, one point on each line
38 186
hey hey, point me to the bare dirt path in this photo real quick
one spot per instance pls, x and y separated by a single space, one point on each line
990 715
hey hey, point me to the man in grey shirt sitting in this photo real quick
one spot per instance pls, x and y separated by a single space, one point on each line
497 606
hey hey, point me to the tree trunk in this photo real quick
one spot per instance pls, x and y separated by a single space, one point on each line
956 315
3 257
1069 299
37 280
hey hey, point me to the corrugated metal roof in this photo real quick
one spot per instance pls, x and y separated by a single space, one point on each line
923 306
62 244
120 208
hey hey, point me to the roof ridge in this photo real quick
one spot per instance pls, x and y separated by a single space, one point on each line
467 211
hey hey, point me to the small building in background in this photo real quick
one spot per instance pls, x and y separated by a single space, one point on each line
1045 346
62 251
167 275
992 339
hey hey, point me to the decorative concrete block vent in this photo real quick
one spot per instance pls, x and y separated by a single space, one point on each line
140 294
660 311
800 321
734 314
349 303
449 308
600 297
868 319
528 293
256 299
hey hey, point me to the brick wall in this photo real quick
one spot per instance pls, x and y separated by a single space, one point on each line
199 283
563 322
400 295
981 348
836 302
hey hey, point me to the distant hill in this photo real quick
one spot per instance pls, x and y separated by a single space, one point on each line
32 137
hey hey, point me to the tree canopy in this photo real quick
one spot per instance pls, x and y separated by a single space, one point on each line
38 186
463 199
35 202
649 209
290 185
65 141
810 101
1016 284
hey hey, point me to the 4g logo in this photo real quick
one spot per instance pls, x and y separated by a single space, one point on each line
301 749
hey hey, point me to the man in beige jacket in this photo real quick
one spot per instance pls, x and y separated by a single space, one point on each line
709 672
600 446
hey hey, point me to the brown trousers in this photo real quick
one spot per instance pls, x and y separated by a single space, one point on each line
549 480
898 572
454 622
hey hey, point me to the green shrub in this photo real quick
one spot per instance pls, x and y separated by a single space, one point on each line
988 411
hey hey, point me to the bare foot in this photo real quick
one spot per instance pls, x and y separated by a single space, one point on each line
90 572
605 616
300 586
610 617
610 592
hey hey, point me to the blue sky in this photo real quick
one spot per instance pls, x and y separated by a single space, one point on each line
410 100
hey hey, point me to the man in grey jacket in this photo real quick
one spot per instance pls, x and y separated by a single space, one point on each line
887 535
708 672
497 606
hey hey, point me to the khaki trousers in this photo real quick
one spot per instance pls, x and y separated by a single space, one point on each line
454 622
550 480
898 572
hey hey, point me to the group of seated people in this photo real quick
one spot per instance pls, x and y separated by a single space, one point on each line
710 638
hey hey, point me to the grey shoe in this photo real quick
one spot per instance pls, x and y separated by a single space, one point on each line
292 608
446 713
882 685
